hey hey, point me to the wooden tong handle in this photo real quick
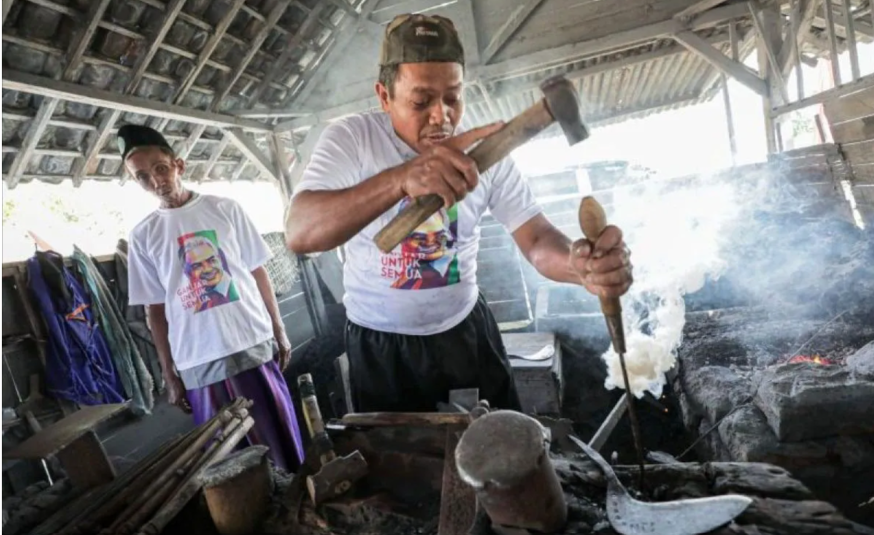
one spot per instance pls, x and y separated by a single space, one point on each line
489 152
593 220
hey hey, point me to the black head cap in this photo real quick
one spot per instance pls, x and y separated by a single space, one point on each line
134 136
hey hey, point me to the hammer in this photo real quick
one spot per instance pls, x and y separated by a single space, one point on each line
337 474
560 103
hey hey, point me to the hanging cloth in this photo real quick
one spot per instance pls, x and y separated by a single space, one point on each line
132 371
79 367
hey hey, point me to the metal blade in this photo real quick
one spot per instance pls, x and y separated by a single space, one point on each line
681 517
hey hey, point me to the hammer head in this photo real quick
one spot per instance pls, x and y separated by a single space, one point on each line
564 105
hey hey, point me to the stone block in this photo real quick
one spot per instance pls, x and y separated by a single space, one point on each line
862 361
713 391
804 401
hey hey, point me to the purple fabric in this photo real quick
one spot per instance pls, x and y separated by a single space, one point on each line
273 411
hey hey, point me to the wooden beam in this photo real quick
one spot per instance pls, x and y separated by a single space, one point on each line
695 9
40 85
720 61
339 48
467 26
850 26
773 64
31 139
7 5
251 51
862 84
48 106
791 46
83 40
515 21
832 42
281 164
250 149
571 52
769 37
87 165
207 51
302 155
385 15
304 120
207 168
293 42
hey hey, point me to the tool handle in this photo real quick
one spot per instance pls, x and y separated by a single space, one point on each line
402 419
593 220
490 151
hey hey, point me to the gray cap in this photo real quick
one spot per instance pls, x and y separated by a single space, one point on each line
420 39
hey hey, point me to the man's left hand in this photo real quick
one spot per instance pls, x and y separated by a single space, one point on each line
284 355
605 268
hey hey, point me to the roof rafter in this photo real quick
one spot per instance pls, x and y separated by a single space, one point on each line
40 85
725 64
87 164
253 153
47 108
517 18
579 50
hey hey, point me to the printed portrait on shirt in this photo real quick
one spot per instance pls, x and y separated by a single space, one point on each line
427 258
210 283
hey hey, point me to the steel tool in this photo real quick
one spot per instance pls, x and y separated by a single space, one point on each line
680 517
593 220
560 104
337 474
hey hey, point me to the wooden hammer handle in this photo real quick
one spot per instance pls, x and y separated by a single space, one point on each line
593 220
490 151
402 419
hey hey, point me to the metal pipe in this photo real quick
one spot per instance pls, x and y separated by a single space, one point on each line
504 456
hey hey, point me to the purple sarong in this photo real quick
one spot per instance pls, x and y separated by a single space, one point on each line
272 409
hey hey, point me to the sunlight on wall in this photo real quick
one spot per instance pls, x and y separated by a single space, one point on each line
97 214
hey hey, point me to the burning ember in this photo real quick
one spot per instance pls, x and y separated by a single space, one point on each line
811 358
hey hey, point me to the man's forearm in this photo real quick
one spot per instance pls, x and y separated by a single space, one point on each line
161 339
319 221
265 288
547 249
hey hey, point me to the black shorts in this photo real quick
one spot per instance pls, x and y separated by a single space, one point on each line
401 373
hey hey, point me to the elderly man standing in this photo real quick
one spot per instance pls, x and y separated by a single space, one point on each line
197 262
418 326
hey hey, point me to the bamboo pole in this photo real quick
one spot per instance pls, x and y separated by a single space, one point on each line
193 484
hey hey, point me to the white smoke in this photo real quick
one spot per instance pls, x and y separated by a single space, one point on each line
676 238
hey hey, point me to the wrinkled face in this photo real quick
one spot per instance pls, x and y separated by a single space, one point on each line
426 105
205 265
156 171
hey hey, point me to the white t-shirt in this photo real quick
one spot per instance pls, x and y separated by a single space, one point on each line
198 260
427 285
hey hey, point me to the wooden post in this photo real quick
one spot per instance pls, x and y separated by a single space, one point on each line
729 116
237 491
794 15
832 42
769 38
850 26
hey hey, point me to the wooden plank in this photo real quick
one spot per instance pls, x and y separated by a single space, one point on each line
208 49
515 21
841 92
858 105
575 51
726 65
859 152
63 432
695 9
250 149
85 461
291 45
771 41
41 85
856 130
83 40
